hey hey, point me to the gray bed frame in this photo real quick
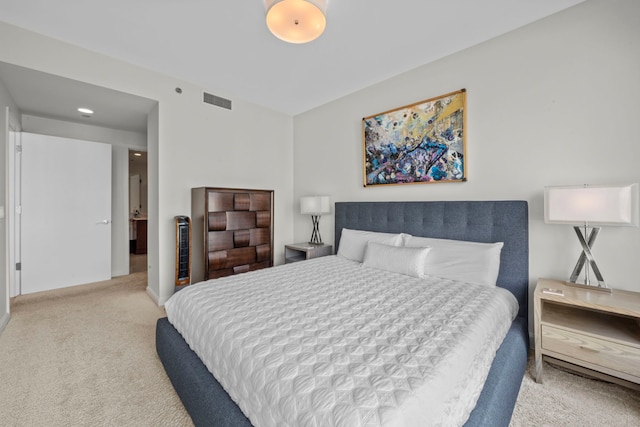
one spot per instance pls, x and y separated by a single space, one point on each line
482 221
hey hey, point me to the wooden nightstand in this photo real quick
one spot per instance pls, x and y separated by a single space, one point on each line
303 251
589 331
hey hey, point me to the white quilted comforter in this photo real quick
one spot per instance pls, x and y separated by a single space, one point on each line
327 342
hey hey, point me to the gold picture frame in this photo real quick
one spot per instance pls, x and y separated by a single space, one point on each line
424 142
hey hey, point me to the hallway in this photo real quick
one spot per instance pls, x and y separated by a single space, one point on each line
137 263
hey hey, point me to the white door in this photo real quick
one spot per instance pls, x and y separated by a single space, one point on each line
66 212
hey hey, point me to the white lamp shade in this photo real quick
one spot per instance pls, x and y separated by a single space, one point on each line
296 21
593 205
314 205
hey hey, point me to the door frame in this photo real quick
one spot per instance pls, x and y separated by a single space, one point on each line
12 188
13 207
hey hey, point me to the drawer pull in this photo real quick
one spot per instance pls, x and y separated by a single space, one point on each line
589 349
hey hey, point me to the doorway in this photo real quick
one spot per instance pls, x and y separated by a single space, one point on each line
46 104
138 211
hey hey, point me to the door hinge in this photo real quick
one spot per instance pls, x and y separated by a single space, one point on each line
18 266
18 148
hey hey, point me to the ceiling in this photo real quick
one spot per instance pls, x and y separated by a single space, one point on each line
225 47
55 97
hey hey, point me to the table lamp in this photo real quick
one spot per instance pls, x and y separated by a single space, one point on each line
315 206
590 207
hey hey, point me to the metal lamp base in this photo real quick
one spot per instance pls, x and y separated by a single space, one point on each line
316 239
587 244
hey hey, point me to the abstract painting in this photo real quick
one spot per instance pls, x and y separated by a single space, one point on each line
419 143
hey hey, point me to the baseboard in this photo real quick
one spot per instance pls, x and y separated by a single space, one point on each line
154 297
4 321
119 273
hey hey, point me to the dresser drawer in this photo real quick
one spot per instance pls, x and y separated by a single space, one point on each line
601 352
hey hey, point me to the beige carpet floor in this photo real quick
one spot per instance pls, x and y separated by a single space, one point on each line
85 356
569 400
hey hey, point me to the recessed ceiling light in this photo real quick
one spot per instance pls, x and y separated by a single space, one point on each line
85 110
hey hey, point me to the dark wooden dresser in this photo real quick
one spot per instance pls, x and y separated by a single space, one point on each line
232 231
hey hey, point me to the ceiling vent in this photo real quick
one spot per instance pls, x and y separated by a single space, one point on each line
217 101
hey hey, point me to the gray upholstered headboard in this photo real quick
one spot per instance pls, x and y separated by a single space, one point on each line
478 221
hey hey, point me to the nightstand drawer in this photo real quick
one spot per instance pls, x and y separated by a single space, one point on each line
608 354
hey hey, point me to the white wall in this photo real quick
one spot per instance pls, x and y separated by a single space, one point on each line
555 102
120 142
64 129
14 115
119 211
153 239
196 143
248 147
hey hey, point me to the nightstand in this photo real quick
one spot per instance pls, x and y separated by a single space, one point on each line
589 331
303 251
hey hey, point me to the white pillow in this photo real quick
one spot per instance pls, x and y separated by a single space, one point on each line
354 242
398 259
471 262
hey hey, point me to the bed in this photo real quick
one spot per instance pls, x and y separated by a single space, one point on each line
476 221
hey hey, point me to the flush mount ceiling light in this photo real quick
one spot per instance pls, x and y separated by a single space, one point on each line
85 110
296 21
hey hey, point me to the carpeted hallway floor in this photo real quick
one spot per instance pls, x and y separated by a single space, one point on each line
85 356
